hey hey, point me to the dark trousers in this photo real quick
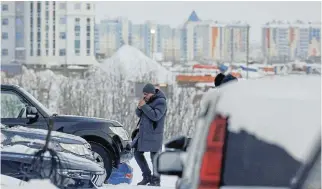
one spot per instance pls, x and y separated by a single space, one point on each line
143 164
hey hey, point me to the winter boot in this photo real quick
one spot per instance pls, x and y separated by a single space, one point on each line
155 181
146 180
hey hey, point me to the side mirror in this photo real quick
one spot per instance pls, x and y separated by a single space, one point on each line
178 143
169 163
31 112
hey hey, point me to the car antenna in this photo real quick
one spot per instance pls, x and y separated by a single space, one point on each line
38 165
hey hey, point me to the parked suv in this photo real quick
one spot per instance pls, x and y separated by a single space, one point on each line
109 140
252 133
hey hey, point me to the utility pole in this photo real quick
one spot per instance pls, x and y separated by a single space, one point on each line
247 49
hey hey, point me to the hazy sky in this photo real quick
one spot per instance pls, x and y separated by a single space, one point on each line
176 12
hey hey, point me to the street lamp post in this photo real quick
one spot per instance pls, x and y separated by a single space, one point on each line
152 31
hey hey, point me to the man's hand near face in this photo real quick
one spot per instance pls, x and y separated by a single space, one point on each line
141 103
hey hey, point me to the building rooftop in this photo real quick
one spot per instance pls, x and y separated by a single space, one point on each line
193 17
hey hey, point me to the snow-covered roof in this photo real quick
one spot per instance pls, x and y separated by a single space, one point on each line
132 64
284 111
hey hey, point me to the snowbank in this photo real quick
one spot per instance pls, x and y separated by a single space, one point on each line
12 183
132 64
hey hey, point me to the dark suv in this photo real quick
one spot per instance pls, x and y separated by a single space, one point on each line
109 140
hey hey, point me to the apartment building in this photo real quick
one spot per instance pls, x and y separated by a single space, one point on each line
283 41
48 32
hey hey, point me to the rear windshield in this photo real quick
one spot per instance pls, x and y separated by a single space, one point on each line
266 152
251 161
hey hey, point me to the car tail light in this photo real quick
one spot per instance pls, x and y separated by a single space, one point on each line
128 175
211 165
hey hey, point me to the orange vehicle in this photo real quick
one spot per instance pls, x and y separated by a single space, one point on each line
195 78
200 78
201 66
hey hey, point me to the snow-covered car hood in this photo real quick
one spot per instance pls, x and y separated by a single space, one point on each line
25 133
26 154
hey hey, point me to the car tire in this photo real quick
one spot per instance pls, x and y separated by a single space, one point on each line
105 155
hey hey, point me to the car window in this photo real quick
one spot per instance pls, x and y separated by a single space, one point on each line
313 180
34 100
12 105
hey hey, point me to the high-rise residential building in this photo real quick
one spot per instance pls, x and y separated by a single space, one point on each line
236 41
164 41
177 45
48 32
112 34
284 41
12 32
189 36
137 37
218 41
213 40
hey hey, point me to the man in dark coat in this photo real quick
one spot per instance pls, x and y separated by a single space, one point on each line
151 111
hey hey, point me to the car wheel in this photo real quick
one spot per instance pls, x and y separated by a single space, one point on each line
103 157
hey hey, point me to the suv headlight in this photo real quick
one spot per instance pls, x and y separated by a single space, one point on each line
78 149
121 132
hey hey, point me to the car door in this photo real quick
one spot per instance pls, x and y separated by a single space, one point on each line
309 176
13 111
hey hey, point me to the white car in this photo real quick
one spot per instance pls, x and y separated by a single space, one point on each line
253 133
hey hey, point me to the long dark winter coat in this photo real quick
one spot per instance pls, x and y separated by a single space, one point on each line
151 126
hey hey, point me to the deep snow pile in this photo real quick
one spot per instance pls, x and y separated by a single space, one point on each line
134 66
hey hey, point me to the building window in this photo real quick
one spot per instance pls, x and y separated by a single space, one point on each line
4 35
5 21
62 35
4 52
88 6
62 6
54 28
77 44
38 28
77 36
31 29
77 47
5 7
77 6
88 34
77 28
62 20
19 36
62 52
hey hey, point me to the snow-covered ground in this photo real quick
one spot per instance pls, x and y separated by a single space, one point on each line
167 182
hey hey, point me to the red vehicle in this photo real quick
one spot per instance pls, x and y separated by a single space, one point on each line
253 133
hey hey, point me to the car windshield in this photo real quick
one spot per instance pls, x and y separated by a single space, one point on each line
37 102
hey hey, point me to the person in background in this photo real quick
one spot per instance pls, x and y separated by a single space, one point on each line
149 137
222 78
